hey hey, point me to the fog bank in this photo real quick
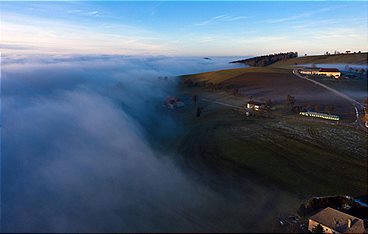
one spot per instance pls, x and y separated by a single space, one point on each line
76 155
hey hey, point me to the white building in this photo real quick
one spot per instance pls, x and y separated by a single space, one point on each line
322 71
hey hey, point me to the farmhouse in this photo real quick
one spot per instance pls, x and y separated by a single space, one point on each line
334 221
329 72
255 105
322 71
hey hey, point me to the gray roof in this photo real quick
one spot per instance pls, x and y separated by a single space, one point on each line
338 220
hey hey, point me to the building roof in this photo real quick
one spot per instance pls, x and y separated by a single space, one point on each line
329 70
338 221
319 113
256 103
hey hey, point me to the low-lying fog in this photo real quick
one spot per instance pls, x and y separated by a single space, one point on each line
76 156
341 67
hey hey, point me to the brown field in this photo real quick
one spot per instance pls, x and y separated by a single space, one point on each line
325 59
275 84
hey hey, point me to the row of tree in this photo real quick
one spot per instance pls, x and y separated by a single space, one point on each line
266 60
290 102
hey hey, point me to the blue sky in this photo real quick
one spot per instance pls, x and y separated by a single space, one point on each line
183 28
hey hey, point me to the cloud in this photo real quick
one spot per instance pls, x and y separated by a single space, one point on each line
300 16
220 18
155 7
61 37
14 47
73 11
93 13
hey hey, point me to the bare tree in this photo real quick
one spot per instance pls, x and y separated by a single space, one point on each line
366 103
329 109
317 108
290 100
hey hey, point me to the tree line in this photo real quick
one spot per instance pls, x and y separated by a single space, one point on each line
266 60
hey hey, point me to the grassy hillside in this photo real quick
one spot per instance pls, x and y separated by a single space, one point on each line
263 83
326 59
299 155
217 77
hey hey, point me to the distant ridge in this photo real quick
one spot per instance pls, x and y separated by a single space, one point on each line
265 60
289 59
351 58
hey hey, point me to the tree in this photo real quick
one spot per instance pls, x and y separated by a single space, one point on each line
290 100
329 109
317 108
199 111
235 91
318 229
269 105
188 82
195 98
361 71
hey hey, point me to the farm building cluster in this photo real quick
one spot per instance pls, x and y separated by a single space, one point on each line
255 105
331 72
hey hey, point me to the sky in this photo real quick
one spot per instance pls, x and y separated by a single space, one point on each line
183 28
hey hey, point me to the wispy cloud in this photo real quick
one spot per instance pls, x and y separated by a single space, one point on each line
207 39
155 7
299 16
220 18
94 13
63 37
343 33
264 39
14 47
80 12
73 11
